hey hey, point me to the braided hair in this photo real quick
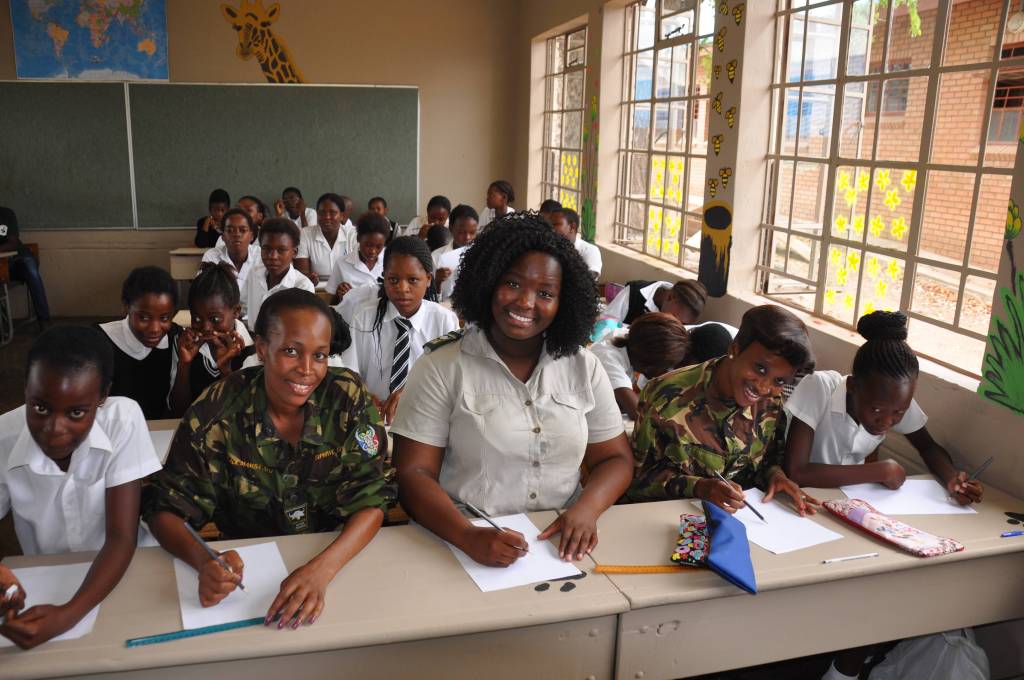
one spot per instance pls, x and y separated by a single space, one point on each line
886 350
217 281
409 246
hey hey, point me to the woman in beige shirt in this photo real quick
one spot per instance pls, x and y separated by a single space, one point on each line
502 415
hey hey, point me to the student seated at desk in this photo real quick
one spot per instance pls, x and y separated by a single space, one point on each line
379 205
24 265
836 422
503 414
279 242
500 195
438 209
236 250
288 448
465 226
208 227
684 300
362 265
143 341
293 206
324 243
724 415
256 209
548 207
390 330
213 347
71 464
566 223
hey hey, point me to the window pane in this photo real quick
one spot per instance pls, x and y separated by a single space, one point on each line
702 82
790 120
645 36
660 140
816 121
644 74
639 136
680 70
957 132
990 222
673 6
1004 124
699 129
841 283
809 197
857 129
637 186
706 20
796 46
881 281
979 21
570 176
572 129
657 186
910 42
935 292
849 207
654 230
670 241
574 90
674 185
695 194
892 202
902 120
557 54
555 103
822 56
575 57
977 305
783 194
676 26
677 119
577 39
663 75
947 214
555 138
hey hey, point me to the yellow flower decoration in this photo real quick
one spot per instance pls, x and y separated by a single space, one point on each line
848 301
841 276
830 297
874 267
858 225
869 307
899 227
892 199
877 226
843 181
909 180
852 261
862 181
835 256
881 287
850 196
882 180
841 223
894 270
1013 222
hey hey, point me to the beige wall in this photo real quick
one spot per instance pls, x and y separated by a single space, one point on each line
455 51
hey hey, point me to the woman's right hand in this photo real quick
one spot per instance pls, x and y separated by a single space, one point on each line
215 583
726 495
17 602
493 548
188 346
893 474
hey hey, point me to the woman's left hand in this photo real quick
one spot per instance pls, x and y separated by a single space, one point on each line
578 527
301 596
803 503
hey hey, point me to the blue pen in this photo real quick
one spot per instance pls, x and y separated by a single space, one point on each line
1009 534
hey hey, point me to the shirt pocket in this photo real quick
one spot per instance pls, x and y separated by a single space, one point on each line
565 422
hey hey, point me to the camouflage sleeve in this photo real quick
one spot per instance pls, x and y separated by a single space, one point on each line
368 481
774 451
184 486
666 465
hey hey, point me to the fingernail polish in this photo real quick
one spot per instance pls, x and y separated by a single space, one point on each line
280 624
312 620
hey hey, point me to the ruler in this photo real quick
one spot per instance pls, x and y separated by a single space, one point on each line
191 633
641 568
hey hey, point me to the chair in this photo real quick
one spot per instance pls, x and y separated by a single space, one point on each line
6 283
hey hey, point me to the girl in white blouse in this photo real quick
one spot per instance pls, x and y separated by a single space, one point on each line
503 415
364 264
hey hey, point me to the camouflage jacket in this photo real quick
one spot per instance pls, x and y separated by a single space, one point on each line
228 465
683 434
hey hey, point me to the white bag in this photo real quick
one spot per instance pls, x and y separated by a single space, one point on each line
953 655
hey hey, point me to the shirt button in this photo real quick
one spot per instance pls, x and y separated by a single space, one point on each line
536 463
536 430
529 402
533 495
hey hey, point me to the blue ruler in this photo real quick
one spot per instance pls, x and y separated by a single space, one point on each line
194 632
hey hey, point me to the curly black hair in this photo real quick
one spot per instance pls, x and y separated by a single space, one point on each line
493 253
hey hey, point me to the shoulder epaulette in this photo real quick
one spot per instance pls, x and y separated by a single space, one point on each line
440 342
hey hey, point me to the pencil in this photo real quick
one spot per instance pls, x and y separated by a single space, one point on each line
749 506
482 515
981 468
211 552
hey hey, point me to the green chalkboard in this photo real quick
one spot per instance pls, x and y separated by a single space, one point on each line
64 154
258 139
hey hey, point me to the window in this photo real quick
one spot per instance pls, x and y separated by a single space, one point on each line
867 211
563 117
663 148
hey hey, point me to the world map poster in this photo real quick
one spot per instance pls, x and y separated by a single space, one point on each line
90 39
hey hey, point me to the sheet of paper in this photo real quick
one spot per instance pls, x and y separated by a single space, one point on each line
55 585
915 497
321 285
782 530
161 442
541 563
264 571
450 260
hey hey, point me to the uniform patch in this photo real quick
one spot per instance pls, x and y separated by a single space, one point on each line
298 515
368 441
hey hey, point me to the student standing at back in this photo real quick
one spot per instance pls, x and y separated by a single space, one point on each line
500 195
208 227
239 251
325 242
438 209
71 464
293 206
279 242
465 224
362 266
143 341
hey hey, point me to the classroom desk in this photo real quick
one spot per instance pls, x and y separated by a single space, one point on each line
185 262
402 608
694 622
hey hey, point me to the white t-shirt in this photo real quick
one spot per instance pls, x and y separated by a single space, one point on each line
591 254
820 402
619 307
219 255
60 512
321 254
256 290
510 446
352 270
374 354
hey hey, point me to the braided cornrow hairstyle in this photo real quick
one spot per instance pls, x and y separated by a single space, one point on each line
886 351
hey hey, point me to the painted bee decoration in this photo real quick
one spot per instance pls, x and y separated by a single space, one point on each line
737 13
725 174
730 116
723 7
720 39
713 186
718 71
716 142
716 104
730 70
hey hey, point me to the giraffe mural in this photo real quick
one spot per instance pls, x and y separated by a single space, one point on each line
256 39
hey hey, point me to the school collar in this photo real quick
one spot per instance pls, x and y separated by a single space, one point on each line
353 259
417 320
265 433
120 333
27 453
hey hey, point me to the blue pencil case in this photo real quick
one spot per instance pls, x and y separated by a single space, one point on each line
729 553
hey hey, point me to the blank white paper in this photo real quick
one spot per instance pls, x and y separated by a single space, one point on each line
915 497
541 563
161 442
264 570
55 585
451 260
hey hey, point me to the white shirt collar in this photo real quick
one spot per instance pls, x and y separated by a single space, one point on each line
27 452
416 319
120 333
475 343
838 401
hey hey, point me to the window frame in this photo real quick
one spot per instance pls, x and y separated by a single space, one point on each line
552 186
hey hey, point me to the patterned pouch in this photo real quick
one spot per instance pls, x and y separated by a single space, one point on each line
860 514
692 544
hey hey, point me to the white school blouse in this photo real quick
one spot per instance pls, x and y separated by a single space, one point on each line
60 512
448 287
374 354
321 254
356 298
354 271
488 215
310 218
509 446
820 401
256 290
619 307
591 254
219 255
413 228
615 360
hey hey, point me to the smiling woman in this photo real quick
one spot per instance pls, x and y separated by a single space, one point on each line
503 415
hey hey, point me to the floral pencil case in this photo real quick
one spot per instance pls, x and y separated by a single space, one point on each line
692 544
862 515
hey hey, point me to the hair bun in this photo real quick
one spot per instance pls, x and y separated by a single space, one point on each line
883 326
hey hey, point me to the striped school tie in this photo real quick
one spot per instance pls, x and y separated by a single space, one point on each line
400 363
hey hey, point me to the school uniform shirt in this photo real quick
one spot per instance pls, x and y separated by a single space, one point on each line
615 360
619 307
142 373
509 446
591 254
351 236
227 463
448 287
59 512
684 433
732 330
203 370
413 228
355 299
256 290
488 215
374 353
321 254
310 218
353 271
218 255
819 400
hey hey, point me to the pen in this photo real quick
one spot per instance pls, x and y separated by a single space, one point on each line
482 515
211 552
850 558
1009 534
749 506
981 468
8 596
